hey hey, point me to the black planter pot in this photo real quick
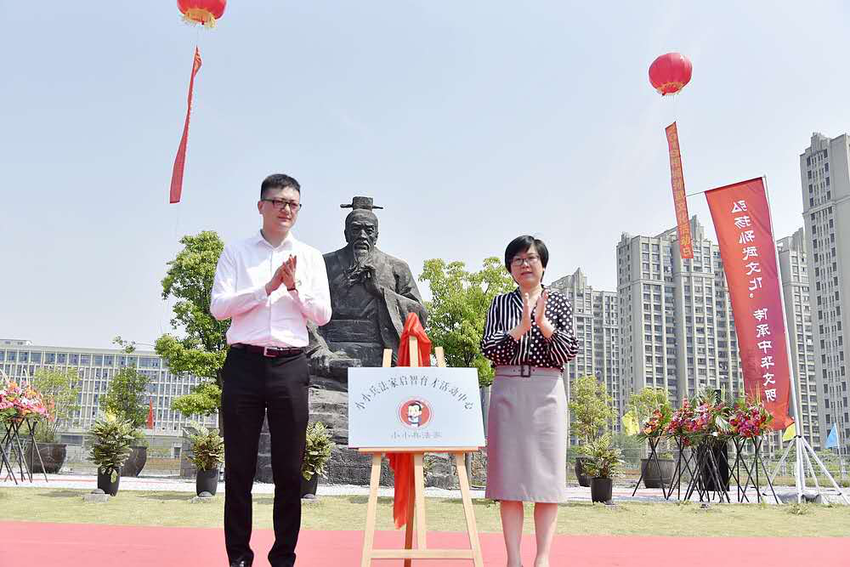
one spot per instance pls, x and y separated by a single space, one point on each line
583 479
649 470
601 489
206 481
52 454
135 462
105 483
309 486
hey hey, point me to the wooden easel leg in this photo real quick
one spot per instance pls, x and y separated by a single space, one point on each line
408 533
469 512
371 512
419 478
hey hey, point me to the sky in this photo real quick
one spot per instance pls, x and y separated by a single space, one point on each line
469 122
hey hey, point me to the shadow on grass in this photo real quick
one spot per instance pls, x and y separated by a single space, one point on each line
66 493
185 496
362 499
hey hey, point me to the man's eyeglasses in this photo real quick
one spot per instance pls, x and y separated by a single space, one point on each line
280 204
530 260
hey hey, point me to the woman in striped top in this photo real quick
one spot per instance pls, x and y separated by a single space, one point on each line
529 337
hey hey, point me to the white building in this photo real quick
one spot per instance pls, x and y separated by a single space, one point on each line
825 184
676 325
794 275
20 359
595 324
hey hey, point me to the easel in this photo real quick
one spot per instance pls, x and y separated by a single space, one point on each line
417 491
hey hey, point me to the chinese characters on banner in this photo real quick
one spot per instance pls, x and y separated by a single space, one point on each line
742 220
686 246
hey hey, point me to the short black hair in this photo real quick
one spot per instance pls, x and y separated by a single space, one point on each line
278 181
522 244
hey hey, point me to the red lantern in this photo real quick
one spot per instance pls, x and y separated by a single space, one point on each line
670 73
203 12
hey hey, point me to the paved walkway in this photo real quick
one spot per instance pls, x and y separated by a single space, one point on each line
174 484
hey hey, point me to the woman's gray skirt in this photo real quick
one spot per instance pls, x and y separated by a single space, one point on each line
527 436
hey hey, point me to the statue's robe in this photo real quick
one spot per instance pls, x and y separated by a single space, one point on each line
362 324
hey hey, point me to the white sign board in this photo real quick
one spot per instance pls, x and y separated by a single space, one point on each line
414 407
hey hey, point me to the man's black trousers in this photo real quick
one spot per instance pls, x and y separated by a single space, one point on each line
256 385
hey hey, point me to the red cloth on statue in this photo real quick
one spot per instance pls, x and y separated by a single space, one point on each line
402 463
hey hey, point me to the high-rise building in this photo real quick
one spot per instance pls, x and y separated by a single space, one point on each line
794 276
676 326
595 323
825 184
20 360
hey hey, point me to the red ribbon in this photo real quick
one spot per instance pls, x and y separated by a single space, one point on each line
402 463
180 160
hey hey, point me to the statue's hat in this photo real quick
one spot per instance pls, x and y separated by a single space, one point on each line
361 203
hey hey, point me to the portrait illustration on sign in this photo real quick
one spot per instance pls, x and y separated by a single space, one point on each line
415 413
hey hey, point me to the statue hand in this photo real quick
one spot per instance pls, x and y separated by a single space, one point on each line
370 281
321 362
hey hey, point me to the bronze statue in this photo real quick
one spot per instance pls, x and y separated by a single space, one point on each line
371 296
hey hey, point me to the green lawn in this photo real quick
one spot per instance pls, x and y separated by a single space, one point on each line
349 513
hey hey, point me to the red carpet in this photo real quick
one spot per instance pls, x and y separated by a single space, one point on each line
76 545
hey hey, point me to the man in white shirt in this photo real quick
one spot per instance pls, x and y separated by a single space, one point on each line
269 285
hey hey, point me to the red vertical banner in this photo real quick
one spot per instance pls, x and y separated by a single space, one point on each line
180 159
741 217
677 179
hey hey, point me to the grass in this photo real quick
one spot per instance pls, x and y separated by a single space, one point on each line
349 512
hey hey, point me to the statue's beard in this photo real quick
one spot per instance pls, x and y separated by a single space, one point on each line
360 256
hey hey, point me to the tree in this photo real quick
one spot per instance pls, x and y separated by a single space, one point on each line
643 403
458 309
59 390
205 399
127 396
203 348
591 407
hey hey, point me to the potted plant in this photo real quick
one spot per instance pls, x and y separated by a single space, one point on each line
112 439
602 465
317 452
590 407
207 454
651 409
204 400
127 398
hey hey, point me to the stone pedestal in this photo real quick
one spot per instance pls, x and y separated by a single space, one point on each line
346 466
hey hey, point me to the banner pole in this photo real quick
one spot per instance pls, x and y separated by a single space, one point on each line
800 472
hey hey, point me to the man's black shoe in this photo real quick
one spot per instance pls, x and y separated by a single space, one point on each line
240 563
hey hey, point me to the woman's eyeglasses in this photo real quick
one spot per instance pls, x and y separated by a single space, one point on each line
530 260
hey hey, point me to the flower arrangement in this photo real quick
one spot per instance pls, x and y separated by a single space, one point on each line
679 425
749 418
657 423
17 403
699 420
